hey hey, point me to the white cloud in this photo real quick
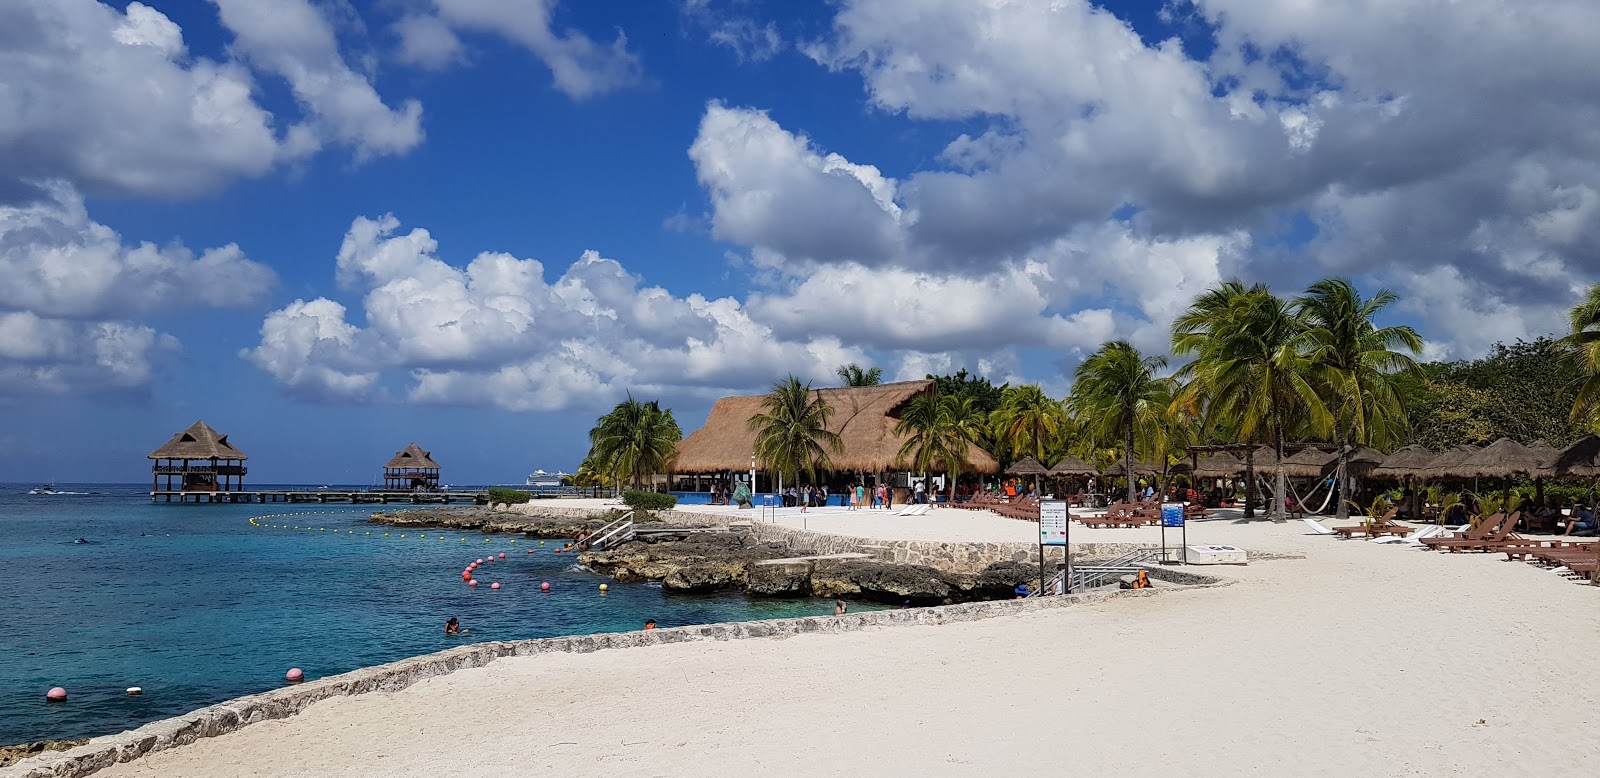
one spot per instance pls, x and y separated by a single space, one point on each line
294 40
59 262
747 38
495 332
426 41
580 66
113 102
52 356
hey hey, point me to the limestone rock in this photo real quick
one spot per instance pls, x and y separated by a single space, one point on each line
789 579
12 754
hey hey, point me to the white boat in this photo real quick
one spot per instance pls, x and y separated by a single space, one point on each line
46 489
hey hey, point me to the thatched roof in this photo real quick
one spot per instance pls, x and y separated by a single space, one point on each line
1142 467
1027 466
1219 465
1504 458
1071 465
412 458
1309 463
1447 464
863 417
1406 461
1581 459
199 441
1265 456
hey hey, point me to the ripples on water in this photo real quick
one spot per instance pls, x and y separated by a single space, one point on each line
196 606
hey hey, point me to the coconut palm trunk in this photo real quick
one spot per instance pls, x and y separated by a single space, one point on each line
1127 463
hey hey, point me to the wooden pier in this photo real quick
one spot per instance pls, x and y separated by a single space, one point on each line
480 497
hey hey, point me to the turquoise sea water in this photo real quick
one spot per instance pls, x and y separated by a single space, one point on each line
195 605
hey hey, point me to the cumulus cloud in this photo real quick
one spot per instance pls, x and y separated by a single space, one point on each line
580 66
747 38
59 262
496 332
1101 169
41 355
114 103
296 41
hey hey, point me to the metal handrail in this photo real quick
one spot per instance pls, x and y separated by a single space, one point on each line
621 524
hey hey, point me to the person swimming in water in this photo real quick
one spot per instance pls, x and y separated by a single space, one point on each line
453 627
80 540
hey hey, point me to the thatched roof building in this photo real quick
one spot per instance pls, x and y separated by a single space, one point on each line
1218 465
1579 460
411 468
864 418
199 441
1309 463
1027 466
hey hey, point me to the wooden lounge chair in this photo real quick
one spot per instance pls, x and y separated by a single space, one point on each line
1548 548
1502 532
1367 529
1475 533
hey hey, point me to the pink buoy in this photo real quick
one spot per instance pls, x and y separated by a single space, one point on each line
544 587
530 551
472 582
494 585
479 562
466 575
295 675
56 694
487 561
502 555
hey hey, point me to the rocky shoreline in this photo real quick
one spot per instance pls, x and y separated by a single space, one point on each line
10 755
696 561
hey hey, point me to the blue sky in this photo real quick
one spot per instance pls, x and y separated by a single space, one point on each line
344 202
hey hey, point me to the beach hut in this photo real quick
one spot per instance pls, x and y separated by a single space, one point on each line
1579 460
1446 464
201 459
864 418
1310 463
1504 458
412 469
1405 462
1072 466
1218 465
1027 466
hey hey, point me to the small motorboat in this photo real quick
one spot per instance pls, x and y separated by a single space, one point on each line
46 489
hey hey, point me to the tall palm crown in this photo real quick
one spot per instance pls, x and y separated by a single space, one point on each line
635 440
1249 372
1356 363
940 432
1585 339
854 375
792 435
1028 422
1117 396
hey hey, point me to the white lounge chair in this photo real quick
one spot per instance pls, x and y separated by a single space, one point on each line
1317 526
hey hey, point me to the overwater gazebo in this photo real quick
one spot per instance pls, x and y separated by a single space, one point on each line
411 470
201 460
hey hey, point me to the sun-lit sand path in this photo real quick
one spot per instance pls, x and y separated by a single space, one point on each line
1361 659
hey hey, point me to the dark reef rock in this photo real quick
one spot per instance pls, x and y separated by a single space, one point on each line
12 754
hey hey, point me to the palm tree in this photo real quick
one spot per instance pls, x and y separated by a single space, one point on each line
853 375
1249 372
1357 363
1585 339
1027 423
792 435
941 431
635 440
1117 396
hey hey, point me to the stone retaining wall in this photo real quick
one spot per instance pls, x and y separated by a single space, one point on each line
241 712
950 557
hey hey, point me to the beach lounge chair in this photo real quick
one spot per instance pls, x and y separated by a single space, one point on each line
1476 532
1371 527
1502 532
1316 526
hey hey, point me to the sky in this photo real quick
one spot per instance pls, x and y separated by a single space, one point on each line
330 228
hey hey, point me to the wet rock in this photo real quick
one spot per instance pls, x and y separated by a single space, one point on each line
787 579
13 754
710 577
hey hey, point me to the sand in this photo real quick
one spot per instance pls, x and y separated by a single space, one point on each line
1361 659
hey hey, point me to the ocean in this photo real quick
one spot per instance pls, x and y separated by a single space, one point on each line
195 604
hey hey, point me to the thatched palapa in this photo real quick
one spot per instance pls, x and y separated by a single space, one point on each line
864 418
1447 464
1579 460
1310 463
1218 465
1027 466
1406 461
199 441
411 468
198 459
1070 466
1142 467
1504 458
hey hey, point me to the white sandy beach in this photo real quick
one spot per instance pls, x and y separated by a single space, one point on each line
1360 659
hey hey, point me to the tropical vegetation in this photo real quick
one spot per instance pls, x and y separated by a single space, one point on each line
792 435
940 432
633 442
855 375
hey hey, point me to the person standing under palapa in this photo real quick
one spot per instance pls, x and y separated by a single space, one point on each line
861 493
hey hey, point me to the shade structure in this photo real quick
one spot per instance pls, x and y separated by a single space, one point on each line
1405 461
864 418
1265 456
1027 466
1070 465
1364 459
1142 467
199 441
1218 465
1579 460
1504 458
1309 463
1446 464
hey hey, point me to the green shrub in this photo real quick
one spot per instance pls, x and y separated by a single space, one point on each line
508 496
649 501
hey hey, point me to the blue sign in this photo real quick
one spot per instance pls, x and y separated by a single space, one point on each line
1172 514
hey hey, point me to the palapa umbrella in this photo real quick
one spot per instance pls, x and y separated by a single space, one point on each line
1027 466
1119 469
1363 460
1447 463
1405 462
1579 460
1504 458
1218 465
1309 463
1071 465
